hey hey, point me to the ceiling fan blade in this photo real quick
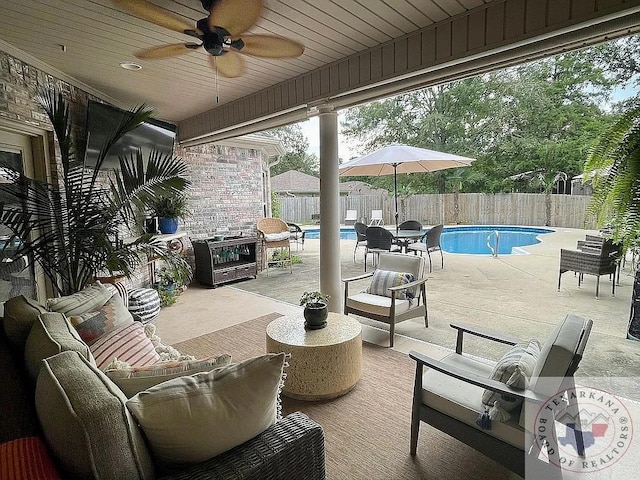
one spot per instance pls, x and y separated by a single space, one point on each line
235 16
154 14
166 51
271 46
230 64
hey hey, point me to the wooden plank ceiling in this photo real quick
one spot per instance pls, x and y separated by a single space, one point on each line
97 36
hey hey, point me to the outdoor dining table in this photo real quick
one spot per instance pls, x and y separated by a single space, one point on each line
405 237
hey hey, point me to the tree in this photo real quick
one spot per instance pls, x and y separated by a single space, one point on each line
74 230
296 157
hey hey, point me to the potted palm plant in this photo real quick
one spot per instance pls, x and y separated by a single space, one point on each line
316 309
169 209
75 228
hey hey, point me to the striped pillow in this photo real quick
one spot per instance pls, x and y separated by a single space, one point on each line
513 369
26 458
144 302
92 325
384 279
127 344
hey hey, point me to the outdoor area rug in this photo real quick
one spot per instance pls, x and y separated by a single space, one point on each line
366 430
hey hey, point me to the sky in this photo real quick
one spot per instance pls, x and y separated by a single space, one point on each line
311 129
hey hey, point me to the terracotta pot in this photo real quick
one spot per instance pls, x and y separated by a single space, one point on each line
315 315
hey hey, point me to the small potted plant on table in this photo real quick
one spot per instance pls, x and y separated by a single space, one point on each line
169 209
315 309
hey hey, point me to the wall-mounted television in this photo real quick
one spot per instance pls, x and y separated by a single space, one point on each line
150 135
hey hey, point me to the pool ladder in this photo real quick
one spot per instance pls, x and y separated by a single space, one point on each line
494 250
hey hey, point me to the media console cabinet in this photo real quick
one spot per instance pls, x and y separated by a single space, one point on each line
221 261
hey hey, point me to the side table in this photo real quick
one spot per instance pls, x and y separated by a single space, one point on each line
324 363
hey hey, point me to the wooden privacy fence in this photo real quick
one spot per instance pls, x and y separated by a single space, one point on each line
466 208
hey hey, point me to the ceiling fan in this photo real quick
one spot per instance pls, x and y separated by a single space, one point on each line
221 34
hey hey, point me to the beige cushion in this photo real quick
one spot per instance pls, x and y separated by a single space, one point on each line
87 426
91 298
128 343
277 237
462 400
132 380
376 304
51 334
95 323
20 313
193 418
513 369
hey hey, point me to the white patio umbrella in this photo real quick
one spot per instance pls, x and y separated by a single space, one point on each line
394 159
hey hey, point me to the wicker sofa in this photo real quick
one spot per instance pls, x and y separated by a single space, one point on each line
110 444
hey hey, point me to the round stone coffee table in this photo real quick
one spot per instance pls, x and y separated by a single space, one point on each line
324 363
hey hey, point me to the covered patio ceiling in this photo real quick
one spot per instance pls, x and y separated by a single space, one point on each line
355 51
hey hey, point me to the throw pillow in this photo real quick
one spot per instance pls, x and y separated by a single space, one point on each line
277 237
92 325
92 297
20 313
127 343
513 369
26 457
50 335
383 279
132 380
86 423
193 418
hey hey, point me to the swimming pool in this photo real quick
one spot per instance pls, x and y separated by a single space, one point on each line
471 239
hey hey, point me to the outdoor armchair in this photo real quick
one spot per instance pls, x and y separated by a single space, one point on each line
592 261
408 225
274 233
449 393
430 242
397 292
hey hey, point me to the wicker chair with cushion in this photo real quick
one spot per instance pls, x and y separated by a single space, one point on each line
452 394
592 261
274 233
397 292
430 242
379 240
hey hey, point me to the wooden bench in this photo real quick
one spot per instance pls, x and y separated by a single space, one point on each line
315 217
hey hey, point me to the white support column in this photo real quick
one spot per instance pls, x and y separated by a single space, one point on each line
330 282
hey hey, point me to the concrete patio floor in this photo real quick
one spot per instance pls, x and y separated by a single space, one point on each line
513 294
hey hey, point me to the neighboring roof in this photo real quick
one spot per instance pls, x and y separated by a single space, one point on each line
295 182
298 182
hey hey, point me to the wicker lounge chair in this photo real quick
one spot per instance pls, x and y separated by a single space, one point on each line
274 233
592 261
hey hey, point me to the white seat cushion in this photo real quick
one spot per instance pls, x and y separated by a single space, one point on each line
376 304
462 400
277 237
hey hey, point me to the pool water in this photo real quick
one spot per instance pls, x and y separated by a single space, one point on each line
471 239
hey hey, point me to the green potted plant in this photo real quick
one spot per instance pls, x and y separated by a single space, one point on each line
172 281
315 309
75 228
169 209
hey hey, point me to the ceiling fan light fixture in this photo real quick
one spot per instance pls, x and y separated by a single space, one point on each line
130 66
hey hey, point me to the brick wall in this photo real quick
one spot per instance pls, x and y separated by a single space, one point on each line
227 181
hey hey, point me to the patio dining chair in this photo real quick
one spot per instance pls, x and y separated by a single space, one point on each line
408 225
397 292
430 242
297 234
274 233
361 239
452 394
379 240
